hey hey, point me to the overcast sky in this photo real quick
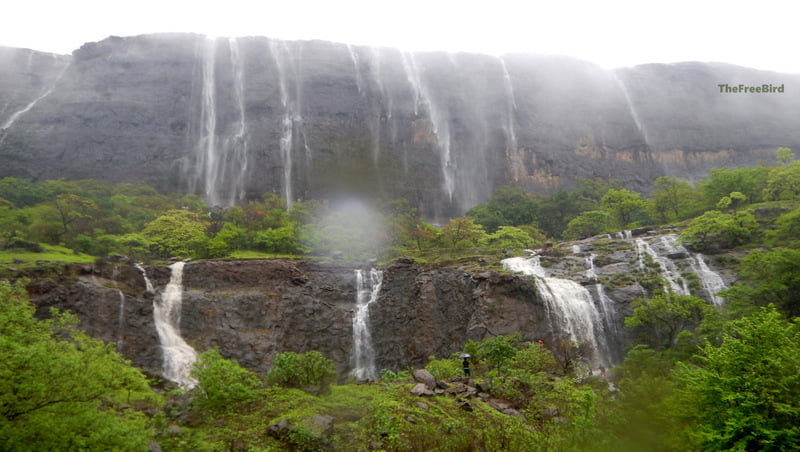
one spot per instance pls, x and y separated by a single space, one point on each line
761 34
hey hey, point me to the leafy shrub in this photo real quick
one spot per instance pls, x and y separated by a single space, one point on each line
442 369
301 370
223 382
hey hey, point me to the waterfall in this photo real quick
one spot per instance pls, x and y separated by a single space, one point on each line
147 283
356 69
439 120
367 291
290 115
631 109
570 307
13 118
512 105
669 271
709 279
178 355
121 320
235 146
222 159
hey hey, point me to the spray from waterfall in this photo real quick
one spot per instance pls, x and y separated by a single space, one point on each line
631 109
356 68
178 355
511 135
291 113
367 290
570 308
438 117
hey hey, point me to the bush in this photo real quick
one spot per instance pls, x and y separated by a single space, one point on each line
223 382
442 369
302 370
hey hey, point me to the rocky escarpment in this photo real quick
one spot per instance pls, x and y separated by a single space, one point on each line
253 309
233 118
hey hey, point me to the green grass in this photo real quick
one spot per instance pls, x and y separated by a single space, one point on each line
23 259
250 254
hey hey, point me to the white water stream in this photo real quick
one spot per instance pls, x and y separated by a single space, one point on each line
367 289
570 307
178 355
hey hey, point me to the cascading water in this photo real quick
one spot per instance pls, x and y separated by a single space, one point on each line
291 112
511 135
710 281
356 69
222 158
367 291
439 120
147 283
631 109
121 320
178 355
570 307
33 103
669 271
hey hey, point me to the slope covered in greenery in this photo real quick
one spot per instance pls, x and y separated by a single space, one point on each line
697 377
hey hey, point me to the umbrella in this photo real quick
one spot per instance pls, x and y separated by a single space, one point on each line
464 356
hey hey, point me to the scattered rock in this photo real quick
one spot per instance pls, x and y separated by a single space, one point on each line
420 389
423 376
279 429
321 425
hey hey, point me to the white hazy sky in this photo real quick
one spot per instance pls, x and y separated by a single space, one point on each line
759 34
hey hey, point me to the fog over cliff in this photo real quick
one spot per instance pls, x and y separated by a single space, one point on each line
232 118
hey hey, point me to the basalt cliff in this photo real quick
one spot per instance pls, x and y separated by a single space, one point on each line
253 309
233 118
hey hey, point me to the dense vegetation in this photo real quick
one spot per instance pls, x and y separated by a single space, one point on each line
697 377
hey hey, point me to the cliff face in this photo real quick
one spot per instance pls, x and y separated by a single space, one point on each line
251 310
230 119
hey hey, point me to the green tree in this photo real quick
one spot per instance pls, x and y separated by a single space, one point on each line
223 383
625 206
732 201
723 181
673 198
508 238
508 206
278 240
784 155
21 192
715 229
661 318
743 394
587 224
558 210
462 233
783 182
176 233
787 229
769 277
61 389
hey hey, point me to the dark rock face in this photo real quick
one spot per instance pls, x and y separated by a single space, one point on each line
252 310
230 119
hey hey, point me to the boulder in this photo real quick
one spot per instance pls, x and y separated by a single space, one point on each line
423 376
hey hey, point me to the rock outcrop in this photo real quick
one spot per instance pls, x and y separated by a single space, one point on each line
234 118
253 309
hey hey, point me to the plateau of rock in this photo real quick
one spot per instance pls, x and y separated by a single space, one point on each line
252 310
230 119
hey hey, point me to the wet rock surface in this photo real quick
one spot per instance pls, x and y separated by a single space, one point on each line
254 309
